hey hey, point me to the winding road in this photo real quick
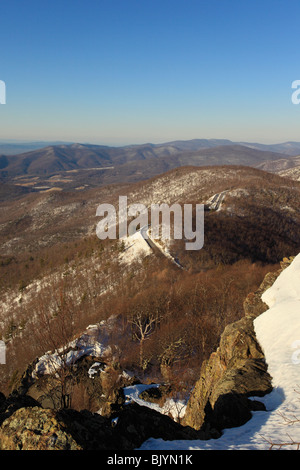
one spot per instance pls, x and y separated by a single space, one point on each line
215 205
155 246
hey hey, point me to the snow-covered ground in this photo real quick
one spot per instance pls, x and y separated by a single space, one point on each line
278 331
292 173
135 248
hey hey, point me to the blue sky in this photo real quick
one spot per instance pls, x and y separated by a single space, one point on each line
131 71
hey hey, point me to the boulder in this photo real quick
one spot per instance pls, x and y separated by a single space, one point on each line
156 394
34 428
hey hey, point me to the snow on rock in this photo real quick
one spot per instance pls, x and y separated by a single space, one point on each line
278 332
173 407
95 368
95 341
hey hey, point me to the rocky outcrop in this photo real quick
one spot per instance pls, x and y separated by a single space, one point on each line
253 304
234 373
35 428
30 417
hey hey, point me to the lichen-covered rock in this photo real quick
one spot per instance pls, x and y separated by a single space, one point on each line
234 372
35 429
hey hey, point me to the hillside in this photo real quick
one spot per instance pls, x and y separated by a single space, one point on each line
39 220
277 166
292 173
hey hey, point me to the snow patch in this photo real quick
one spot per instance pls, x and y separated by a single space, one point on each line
173 407
135 248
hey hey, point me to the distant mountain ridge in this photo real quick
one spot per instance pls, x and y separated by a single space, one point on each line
67 157
11 147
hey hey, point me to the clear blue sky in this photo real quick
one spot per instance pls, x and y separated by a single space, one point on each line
133 71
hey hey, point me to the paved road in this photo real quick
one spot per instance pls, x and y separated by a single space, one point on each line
146 237
155 247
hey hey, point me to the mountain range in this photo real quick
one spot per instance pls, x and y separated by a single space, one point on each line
80 166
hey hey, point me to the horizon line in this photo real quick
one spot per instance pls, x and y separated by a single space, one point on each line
71 142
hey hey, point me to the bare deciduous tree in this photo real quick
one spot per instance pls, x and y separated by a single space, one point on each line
142 325
56 329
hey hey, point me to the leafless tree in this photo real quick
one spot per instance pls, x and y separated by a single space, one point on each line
55 331
142 325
